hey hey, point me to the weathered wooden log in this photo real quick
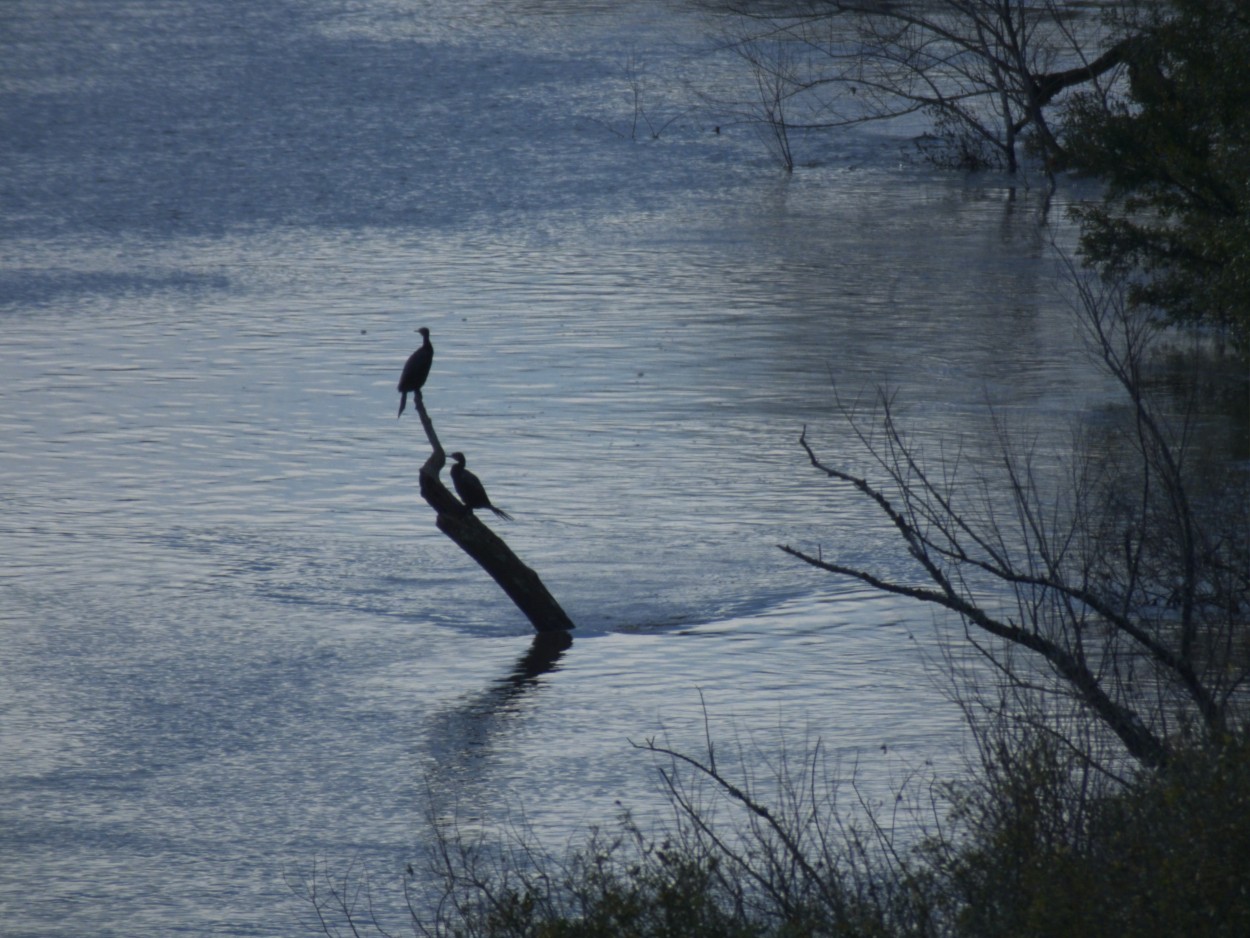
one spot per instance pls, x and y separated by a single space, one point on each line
522 584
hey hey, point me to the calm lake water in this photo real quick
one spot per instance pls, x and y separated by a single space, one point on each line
232 643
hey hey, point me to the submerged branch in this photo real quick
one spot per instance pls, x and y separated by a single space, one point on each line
522 584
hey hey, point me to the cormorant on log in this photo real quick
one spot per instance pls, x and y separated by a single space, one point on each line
470 489
416 370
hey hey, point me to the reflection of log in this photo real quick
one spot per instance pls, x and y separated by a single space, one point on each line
482 544
541 658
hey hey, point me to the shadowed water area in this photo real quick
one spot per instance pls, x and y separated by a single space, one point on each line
233 642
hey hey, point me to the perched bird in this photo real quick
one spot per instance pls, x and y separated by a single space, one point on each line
416 370
470 489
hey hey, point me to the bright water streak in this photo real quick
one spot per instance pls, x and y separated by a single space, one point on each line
233 642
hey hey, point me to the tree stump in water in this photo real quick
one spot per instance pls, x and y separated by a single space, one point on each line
521 583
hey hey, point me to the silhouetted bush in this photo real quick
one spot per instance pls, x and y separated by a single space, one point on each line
1166 855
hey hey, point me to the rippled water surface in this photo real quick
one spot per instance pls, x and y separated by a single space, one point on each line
233 642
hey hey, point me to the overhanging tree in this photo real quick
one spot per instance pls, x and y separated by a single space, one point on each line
1176 155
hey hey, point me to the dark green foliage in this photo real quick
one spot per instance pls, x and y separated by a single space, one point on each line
1175 855
1168 855
629 886
1176 155
1038 846
662 894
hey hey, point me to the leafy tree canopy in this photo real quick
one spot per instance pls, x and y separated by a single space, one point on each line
1176 155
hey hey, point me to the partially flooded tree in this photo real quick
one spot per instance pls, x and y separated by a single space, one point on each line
776 71
1118 582
986 72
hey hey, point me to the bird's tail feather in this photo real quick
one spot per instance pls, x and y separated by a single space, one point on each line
503 514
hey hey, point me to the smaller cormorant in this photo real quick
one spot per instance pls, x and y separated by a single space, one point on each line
470 489
416 370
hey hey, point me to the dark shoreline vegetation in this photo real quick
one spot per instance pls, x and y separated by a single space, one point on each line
1027 850
1110 789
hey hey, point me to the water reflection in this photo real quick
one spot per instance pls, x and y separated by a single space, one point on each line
458 750
543 657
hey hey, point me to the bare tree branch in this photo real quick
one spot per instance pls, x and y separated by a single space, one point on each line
1116 585
987 70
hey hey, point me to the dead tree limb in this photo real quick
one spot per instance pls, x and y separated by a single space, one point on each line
482 544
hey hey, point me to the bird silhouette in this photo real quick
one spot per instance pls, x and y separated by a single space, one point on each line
416 370
470 489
